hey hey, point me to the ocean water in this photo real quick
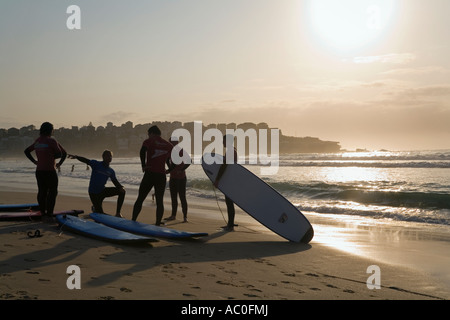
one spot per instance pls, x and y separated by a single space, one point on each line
411 187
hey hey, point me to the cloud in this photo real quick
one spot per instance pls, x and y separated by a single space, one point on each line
427 92
375 84
381 113
416 71
392 58
418 120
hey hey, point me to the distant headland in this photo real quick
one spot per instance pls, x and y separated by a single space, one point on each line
125 140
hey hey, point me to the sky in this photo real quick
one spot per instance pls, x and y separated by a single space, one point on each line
369 74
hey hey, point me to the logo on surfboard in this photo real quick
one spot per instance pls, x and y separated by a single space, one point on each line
283 218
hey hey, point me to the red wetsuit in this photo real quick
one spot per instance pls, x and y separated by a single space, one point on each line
47 150
158 150
154 153
177 185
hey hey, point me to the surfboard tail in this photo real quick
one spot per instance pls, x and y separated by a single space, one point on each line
308 236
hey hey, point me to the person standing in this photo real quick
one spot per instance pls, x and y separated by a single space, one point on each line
153 154
230 158
47 150
101 172
177 183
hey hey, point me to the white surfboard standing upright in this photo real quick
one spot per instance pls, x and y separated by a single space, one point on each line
259 200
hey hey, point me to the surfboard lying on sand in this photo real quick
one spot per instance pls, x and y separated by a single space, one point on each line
259 200
18 207
26 214
143 228
99 231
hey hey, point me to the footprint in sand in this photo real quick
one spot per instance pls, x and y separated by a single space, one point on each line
348 291
257 260
224 283
167 268
312 275
18 295
188 295
218 266
222 268
230 271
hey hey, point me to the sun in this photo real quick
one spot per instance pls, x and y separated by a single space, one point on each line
347 26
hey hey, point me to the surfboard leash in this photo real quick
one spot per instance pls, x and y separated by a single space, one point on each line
220 209
61 228
218 205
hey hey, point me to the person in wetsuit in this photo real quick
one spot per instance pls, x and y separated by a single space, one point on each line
101 172
177 183
230 158
153 154
47 149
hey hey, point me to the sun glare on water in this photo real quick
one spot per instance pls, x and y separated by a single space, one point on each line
347 174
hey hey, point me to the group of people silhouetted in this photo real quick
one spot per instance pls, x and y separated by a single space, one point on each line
155 155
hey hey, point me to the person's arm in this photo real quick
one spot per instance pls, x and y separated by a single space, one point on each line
170 165
188 162
222 169
181 166
117 183
27 152
63 156
142 154
79 158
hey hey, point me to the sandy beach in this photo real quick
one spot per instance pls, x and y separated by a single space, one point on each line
250 263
